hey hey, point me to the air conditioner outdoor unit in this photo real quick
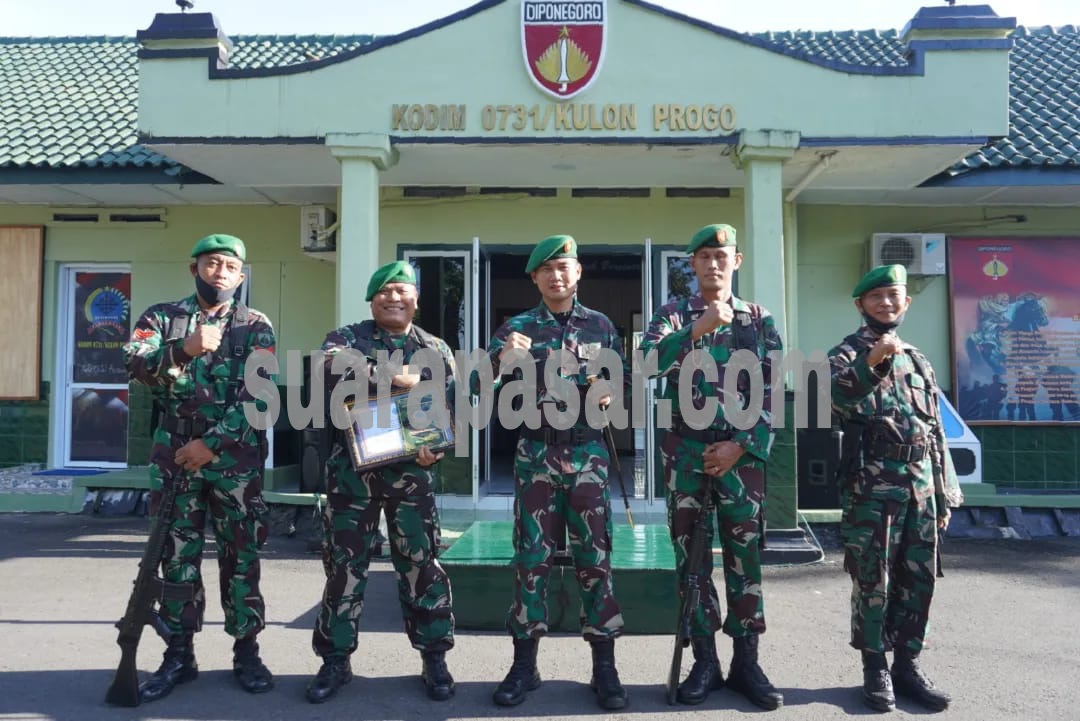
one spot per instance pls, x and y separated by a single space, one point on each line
920 253
314 222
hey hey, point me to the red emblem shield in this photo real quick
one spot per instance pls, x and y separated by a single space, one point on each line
563 43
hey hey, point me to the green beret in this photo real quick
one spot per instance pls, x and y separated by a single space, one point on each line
717 235
220 243
879 277
400 271
557 246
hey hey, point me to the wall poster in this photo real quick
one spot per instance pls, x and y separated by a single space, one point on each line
1015 329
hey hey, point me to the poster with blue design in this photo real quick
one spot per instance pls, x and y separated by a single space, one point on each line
1016 329
102 324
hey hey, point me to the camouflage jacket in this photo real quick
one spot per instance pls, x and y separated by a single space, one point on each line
402 479
198 387
896 403
586 332
753 329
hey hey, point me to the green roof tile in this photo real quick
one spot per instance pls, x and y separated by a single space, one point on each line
71 102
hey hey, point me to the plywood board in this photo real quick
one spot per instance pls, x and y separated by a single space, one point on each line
21 268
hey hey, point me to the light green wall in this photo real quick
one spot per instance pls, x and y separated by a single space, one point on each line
614 221
159 263
478 61
297 292
833 256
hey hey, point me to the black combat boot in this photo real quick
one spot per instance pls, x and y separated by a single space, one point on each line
523 675
705 675
877 688
177 666
251 673
747 678
610 693
336 671
911 682
436 676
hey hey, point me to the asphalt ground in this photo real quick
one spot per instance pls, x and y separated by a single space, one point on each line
1004 640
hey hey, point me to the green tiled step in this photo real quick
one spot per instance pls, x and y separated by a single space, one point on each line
643 569
43 502
986 494
284 478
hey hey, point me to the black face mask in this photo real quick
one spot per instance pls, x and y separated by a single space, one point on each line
881 328
210 295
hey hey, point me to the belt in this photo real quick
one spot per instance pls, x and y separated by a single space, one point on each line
569 437
705 435
187 427
906 452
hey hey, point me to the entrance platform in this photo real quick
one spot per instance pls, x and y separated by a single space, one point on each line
643 568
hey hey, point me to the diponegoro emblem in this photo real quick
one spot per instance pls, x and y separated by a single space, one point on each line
563 43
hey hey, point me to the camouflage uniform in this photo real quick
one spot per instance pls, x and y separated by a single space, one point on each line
739 495
196 391
562 486
403 491
894 495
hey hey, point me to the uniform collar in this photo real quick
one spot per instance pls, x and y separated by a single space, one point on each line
380 333
191 304
868 335
576 311
696 302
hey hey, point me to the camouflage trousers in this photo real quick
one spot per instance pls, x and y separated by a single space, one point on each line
349 525
547 507
890 552
737 500
237 512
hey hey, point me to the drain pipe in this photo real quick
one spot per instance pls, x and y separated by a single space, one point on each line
818 169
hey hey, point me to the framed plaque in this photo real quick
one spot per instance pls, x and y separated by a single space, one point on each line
398 441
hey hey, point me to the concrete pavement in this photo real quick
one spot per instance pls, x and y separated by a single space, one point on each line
1006 626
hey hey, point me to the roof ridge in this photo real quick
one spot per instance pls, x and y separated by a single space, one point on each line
869 32
56 39
1029 30
293 37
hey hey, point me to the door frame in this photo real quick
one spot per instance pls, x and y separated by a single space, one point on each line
63 367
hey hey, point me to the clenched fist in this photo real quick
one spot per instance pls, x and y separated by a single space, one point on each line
718 313
515 340
205 339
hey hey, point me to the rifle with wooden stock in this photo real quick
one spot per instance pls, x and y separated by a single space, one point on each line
149 589
691 595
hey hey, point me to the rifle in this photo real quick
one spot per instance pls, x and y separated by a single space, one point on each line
149 588
691 596
609 438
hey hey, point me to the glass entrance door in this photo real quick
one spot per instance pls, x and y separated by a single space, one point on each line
94 323
447 308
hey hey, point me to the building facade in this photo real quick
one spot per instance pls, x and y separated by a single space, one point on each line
461 143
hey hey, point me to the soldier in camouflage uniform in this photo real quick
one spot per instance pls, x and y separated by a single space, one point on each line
404 491
561 478
898 484
721 460
191 355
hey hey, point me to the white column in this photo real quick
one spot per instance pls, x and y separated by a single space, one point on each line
762 278
362 156
791 273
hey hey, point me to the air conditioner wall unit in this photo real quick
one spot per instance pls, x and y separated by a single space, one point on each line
315 236
921 253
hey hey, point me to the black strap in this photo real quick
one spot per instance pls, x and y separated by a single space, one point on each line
568 437
239 329
906 452
705 435
186 427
